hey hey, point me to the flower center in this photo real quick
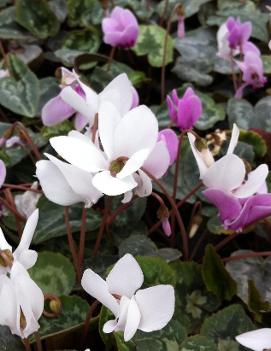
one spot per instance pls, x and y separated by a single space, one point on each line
117 165
6 258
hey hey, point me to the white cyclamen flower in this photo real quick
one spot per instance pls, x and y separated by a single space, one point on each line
146 309
21 302
229 172
257 340
64 183
128 144
26 257
119 92
26 203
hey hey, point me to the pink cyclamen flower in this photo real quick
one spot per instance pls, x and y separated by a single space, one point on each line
236 213
186 111
239 33
171 140
181 27
3 173
253 72
166 227
120 28
56 110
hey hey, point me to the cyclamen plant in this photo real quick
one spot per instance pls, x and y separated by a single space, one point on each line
141 205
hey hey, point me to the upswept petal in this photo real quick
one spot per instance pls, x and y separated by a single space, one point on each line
56 111
109 117
199 159
134 163
234 139
27 235
112 186
132 321
80 181
158 161
125 277
254 182
77 102
28 258
156 305
79 153
137 130
54 185
257 340
123 86
4 245
228 173
95 286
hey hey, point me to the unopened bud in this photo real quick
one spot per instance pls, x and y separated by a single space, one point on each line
6 258
23 322
55 305
196 222
180 11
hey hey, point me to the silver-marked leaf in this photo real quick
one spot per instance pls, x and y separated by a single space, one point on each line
198 343
54 273
241 112
20 92
37 17
151 43
256 269
9 29
84 13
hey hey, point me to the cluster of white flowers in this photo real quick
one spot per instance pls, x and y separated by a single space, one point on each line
116 155
21 300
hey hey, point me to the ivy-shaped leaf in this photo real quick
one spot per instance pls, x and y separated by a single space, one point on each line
20 92
37 17
54 273
9 29
151 42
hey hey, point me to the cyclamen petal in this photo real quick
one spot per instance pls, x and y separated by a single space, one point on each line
172 142
56 111
257 340
3 173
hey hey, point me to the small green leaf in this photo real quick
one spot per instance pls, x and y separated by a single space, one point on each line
151 43
255 300
20 92
215 276
255 140
54 273
37 17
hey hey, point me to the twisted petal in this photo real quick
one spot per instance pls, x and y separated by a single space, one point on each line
156 305
125 277
95 286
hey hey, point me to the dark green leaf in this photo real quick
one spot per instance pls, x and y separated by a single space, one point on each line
37 17
215 276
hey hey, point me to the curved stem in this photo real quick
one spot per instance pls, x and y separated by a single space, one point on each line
179 204
82 240
177 165
26 344
248 255
111 57
225 241
89 315
21 187
72 244
176 212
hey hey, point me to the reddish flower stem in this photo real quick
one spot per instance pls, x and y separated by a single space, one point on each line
225 241
72 244
21 187
82 240
26 344
89 315
184 236
179 204
248 255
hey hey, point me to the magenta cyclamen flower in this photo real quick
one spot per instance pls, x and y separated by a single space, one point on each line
253 73
120 28
239 33
171 140
236 213
186 111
